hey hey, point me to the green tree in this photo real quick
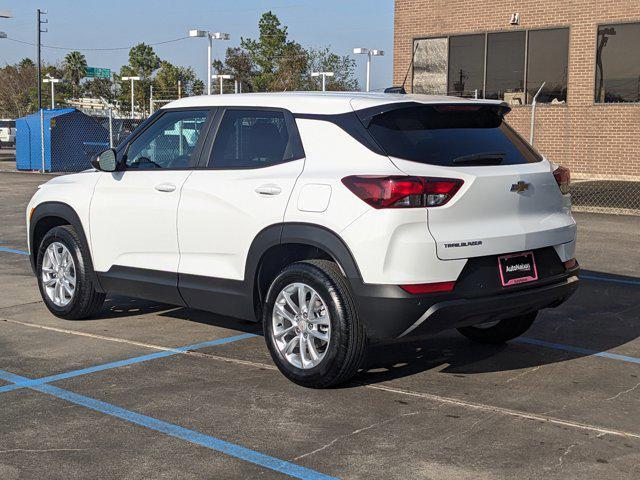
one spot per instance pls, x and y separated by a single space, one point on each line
143 60
165 84
99 88
197 87
276 58
343 68
75 69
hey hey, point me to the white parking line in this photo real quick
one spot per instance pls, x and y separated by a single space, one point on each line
425 396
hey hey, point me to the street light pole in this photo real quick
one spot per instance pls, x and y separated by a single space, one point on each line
222 77
133 79
211 36
53 82
369 54
324 76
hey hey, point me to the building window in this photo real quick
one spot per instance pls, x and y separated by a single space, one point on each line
505 67
547 61
492 65
466 65
430 66
618 63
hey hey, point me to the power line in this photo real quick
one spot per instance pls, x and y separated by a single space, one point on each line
55 47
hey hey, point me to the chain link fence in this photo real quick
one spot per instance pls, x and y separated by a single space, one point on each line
605 194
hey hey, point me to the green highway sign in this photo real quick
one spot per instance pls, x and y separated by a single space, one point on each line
95 72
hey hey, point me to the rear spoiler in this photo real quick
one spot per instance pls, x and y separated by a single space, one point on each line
367 114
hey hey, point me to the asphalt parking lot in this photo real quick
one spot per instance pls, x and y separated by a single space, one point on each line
152 391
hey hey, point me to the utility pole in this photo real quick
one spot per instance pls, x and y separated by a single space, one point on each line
39 47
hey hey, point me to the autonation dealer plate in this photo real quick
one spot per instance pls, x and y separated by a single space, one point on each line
517 268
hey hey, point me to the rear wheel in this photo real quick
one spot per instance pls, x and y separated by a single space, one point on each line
311 326
500 331
64 277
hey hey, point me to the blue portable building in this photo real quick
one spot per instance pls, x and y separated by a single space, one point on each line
71 139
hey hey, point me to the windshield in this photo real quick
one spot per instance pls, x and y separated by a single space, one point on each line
7 124
449 135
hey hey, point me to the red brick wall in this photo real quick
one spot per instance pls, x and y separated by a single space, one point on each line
600 139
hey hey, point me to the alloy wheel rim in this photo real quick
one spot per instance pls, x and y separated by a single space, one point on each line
301 325
58 274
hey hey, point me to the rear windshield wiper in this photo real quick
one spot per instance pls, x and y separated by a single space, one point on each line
489 158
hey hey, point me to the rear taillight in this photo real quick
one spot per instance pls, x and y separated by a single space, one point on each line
563 178
401 191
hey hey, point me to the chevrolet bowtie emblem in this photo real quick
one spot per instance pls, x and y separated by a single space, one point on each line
520 187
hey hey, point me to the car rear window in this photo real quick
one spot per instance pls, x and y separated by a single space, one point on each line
449 135
7 124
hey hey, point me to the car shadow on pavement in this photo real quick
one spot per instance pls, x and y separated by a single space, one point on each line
601 316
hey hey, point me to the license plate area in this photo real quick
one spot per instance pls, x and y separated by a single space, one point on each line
517 268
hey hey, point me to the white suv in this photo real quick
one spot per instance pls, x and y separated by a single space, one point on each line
335 219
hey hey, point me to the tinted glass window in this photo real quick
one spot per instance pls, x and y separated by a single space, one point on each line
251 139
618 63
7 124
430 66
505 67
466 65
450 136
547 61
168 142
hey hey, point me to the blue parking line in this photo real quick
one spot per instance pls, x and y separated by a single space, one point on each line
570 348
600 278
207 441
121 363
13 250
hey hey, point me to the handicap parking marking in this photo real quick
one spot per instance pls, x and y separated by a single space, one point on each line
13 250
207 441
571 348
28 383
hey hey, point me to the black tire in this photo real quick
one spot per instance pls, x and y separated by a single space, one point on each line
86 301
346 348
501 332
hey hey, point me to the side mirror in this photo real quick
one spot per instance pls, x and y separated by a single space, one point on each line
106 161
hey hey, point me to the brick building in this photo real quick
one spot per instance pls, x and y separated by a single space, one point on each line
587 52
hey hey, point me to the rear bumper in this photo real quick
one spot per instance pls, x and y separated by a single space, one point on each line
389 313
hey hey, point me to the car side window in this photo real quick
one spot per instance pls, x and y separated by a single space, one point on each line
167 143
254 139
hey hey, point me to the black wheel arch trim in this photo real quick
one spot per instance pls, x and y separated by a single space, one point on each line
67 213
301 233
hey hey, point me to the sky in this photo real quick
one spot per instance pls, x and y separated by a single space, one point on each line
91 24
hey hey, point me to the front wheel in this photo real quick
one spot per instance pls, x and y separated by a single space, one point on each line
499 331
311 325
64 277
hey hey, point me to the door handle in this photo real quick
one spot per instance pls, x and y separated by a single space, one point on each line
268 190
165 187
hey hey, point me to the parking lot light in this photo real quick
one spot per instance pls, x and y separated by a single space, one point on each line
221 78
52 81
133 79
211 36
324 76
369 53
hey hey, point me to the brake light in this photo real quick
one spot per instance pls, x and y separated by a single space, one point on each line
415 289
563 178
402 191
